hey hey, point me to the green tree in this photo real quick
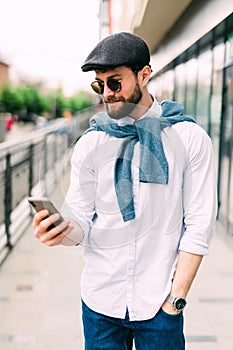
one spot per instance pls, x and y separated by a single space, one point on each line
58 104
28 101
11 99
32 100
80 101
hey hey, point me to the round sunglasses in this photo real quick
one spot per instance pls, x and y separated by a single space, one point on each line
113 84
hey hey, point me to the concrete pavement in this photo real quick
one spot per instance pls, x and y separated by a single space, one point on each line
40 302
209 314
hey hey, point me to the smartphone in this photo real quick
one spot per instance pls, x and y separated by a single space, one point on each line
40 203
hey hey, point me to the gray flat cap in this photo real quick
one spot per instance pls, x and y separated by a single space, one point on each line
120 49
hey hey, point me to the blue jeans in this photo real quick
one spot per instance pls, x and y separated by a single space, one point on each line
162 332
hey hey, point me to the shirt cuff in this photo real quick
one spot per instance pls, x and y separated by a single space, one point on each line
197 247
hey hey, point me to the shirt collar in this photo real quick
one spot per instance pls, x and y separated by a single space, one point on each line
155 109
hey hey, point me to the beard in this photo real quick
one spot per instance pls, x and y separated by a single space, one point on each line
124 106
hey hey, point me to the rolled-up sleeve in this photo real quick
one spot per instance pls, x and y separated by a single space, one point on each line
199 194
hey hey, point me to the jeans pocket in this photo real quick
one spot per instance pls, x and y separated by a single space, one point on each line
172 324
170 315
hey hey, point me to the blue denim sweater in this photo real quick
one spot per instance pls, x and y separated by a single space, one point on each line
153 164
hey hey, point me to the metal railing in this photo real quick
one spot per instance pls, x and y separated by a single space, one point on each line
29 166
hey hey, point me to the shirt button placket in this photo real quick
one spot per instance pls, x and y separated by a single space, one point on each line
130 276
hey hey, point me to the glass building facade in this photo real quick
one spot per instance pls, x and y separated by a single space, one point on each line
201 78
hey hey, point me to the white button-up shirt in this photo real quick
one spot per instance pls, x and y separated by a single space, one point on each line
131 264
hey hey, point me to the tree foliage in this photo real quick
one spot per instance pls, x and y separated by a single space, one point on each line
28 100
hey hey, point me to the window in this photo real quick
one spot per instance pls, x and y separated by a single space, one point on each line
190 103
216 98
180 83
163 86
168 85
203 88
226 185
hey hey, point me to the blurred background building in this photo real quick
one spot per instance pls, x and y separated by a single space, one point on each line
191 44
4 72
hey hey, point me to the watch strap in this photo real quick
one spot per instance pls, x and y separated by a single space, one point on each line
177 302
170 299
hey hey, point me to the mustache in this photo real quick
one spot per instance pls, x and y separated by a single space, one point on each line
112 99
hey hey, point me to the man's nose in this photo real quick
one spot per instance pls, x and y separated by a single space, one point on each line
107 92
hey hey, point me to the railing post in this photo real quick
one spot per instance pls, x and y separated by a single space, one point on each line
45 167
8 199
55 154
31 163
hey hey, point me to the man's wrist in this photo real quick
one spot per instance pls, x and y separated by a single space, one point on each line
178 303
169 309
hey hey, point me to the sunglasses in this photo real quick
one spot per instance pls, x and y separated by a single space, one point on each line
113 84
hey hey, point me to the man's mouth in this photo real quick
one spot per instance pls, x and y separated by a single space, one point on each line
112 101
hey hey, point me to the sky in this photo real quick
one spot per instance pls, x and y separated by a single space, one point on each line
48 40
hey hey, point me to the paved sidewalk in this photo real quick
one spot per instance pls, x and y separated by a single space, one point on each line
40 294
209 313
40 302
19 130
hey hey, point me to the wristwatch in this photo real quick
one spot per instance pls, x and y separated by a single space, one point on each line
177 303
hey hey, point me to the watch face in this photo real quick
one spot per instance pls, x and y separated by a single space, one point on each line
180 304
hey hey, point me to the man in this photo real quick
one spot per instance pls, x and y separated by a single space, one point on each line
142 194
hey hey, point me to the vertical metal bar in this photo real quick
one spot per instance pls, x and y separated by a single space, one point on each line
31 163
230 147
222 129
175 84
185 83
196 82
8 199
55 148
211 87
45 164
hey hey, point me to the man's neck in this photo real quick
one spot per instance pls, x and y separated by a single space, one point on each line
142 107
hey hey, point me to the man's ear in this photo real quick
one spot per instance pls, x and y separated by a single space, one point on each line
145 75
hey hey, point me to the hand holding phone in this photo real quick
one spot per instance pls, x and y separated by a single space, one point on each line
73 234
40 203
